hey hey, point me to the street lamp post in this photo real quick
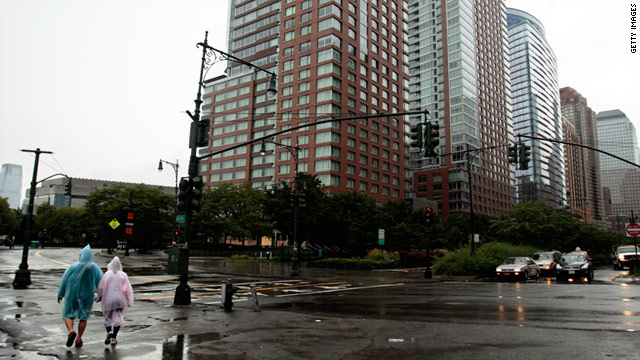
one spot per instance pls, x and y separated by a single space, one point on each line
294 152
175 202
23 275
197 137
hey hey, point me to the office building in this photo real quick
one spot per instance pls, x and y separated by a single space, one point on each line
573 165
535 106
333 59
11 184
577 112
617 135
460 73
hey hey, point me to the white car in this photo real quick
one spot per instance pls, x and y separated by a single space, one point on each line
518 267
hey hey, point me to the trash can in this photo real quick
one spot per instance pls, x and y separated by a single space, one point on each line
35 244
173 266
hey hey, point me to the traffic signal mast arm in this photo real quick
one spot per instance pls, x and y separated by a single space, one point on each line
580 145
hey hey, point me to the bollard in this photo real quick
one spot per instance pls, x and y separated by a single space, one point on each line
228 296
254 295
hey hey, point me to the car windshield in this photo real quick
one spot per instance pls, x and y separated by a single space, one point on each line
573 258
627 249
542 256
512 261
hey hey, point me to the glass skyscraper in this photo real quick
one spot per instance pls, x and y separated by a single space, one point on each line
11 184
535 105
617 136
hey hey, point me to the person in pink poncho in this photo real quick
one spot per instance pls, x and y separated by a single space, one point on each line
115 294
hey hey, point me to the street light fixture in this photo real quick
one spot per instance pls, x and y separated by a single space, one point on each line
210 56
175 202
294 152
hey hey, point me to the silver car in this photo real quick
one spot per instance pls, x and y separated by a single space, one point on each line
519 267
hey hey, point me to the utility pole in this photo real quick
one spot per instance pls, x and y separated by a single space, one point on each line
23 275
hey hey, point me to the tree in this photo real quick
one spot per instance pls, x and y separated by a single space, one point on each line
230 210
153 215
8 220
405 228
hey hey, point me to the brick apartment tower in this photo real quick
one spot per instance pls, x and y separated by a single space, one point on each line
573 164
460 74
333 58
576 111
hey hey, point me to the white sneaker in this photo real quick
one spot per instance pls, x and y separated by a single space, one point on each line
113 341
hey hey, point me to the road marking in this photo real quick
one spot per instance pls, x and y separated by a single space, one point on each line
248 290
38 254
345 289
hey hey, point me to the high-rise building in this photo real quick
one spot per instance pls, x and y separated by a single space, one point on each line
11 184
333 58
574 178
460 74
535 105
617 136
575 109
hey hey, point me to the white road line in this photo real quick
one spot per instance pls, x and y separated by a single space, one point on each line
336 290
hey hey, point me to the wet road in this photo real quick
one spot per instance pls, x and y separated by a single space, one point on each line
327 315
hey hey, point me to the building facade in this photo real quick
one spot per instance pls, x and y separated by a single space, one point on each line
575 109
617 135
11 184
333 59
460 74
574 177
53 192
535 106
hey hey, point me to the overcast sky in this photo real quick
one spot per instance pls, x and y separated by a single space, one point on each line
104 84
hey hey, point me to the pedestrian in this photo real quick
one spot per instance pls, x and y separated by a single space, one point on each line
79 283
116 294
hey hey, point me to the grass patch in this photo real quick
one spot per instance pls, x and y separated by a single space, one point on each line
246 259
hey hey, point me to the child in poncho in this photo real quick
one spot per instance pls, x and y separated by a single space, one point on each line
116 294
79 283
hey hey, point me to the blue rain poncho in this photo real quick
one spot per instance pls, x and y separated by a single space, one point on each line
78 285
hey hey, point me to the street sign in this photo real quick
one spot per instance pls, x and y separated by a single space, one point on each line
129 230
180 218
114 224
380 236
130 216
633 230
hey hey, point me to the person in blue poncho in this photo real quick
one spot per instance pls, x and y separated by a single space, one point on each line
79 283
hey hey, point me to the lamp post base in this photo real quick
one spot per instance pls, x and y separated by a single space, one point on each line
22 279
183 292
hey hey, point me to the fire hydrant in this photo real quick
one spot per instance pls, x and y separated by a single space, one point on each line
228 295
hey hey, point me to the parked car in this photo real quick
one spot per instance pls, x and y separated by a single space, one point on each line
574 266
518 267
547 261
624 255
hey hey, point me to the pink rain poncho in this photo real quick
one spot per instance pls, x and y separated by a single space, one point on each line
78 285
115 293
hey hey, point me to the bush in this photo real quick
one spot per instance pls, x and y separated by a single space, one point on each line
483 263
382 256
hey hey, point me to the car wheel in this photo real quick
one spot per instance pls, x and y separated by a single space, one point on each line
526 275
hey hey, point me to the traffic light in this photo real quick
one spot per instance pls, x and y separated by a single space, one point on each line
183 194
196 194
429 215
525 153
416 136
67 188
513 154
432 135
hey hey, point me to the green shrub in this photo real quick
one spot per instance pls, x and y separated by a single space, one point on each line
487 257
382 256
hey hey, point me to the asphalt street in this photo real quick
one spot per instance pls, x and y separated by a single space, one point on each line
324 314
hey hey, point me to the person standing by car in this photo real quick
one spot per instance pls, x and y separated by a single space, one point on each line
77 288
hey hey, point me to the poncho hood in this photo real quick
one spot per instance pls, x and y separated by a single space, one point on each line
85 254
115 265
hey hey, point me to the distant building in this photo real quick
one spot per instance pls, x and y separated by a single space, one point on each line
11 184
617 136
573 164
535 105
575 109
53 191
